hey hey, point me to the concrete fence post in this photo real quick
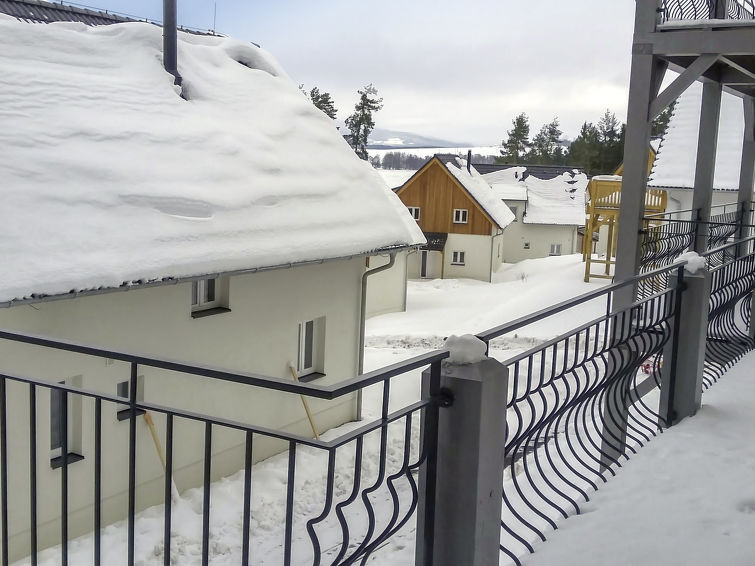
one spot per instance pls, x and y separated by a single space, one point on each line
684 354
470 461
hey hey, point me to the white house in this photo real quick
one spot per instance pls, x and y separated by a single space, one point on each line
674 168
549 211
223 223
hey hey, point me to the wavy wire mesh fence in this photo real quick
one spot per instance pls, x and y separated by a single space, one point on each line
706 9
366 490
729 336
578 407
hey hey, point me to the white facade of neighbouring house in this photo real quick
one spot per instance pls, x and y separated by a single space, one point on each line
141 218
548 212
674 168
386 288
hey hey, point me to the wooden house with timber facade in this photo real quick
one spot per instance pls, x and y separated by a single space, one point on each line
461 217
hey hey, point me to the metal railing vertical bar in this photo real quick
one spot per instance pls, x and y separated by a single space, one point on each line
97 481
168 490
4 465
431 463
207 478
64 478
288 537
247 499
33 538
670 416
132 463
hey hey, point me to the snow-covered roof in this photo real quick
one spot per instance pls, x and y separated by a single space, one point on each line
675 163
396 177
558 200
473 182
110 177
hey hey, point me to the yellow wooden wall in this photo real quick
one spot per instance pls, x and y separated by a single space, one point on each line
437 193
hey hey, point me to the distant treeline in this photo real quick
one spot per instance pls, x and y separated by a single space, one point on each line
401 160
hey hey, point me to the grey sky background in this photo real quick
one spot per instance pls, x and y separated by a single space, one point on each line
454 70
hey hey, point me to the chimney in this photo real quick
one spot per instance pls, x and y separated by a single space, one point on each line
469 161
170 39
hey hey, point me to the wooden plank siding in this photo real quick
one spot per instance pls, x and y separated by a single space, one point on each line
437 193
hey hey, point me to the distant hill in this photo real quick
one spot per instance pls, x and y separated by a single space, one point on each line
391 139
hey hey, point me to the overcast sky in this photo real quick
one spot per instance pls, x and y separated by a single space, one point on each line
454 70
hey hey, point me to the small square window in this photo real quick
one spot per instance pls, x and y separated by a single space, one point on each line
555 249
457 258
460 215
65 423
515 209
526 245
123 389
414 211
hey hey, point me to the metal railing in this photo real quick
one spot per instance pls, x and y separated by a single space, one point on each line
672 10
355 544
576 408
729 335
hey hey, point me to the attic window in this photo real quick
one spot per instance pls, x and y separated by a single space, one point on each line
414 211
460 215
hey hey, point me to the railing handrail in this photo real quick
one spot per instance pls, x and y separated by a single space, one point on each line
727 246
327 392
669 213
528 319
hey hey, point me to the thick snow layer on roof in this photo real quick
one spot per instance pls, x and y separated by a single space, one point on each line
506 191
396 177
109 176
560 200
481 192
675 164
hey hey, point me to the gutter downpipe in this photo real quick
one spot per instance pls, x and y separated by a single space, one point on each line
362 320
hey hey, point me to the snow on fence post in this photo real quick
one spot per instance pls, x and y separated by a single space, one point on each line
466 524
684 354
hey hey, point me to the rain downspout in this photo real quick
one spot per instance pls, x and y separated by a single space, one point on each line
170 39
363 318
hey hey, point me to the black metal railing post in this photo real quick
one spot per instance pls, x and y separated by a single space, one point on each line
430 440
132 462
4 470
168 489
33 473
64 479
97 481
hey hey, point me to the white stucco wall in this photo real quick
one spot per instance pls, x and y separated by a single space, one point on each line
259 335
386 291
477 256
539 236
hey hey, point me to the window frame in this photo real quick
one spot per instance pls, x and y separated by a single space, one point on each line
461 216
73 424
557 247
458 257
200 293
313 331
123 411
415 212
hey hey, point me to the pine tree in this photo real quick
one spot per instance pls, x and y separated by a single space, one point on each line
323 101
659 125
611 142
584 151
545 148
518 141
361 122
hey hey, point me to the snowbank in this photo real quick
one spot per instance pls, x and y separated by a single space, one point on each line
110 176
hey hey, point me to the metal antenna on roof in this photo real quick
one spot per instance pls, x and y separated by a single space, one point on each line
170 39
469 161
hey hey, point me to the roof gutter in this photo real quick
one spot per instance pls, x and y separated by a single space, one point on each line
128 286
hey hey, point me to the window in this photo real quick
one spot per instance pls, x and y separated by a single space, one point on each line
515 209
311 348
457 258
123 389
526 245
65 423
555 249
209 296
460 215
414 211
